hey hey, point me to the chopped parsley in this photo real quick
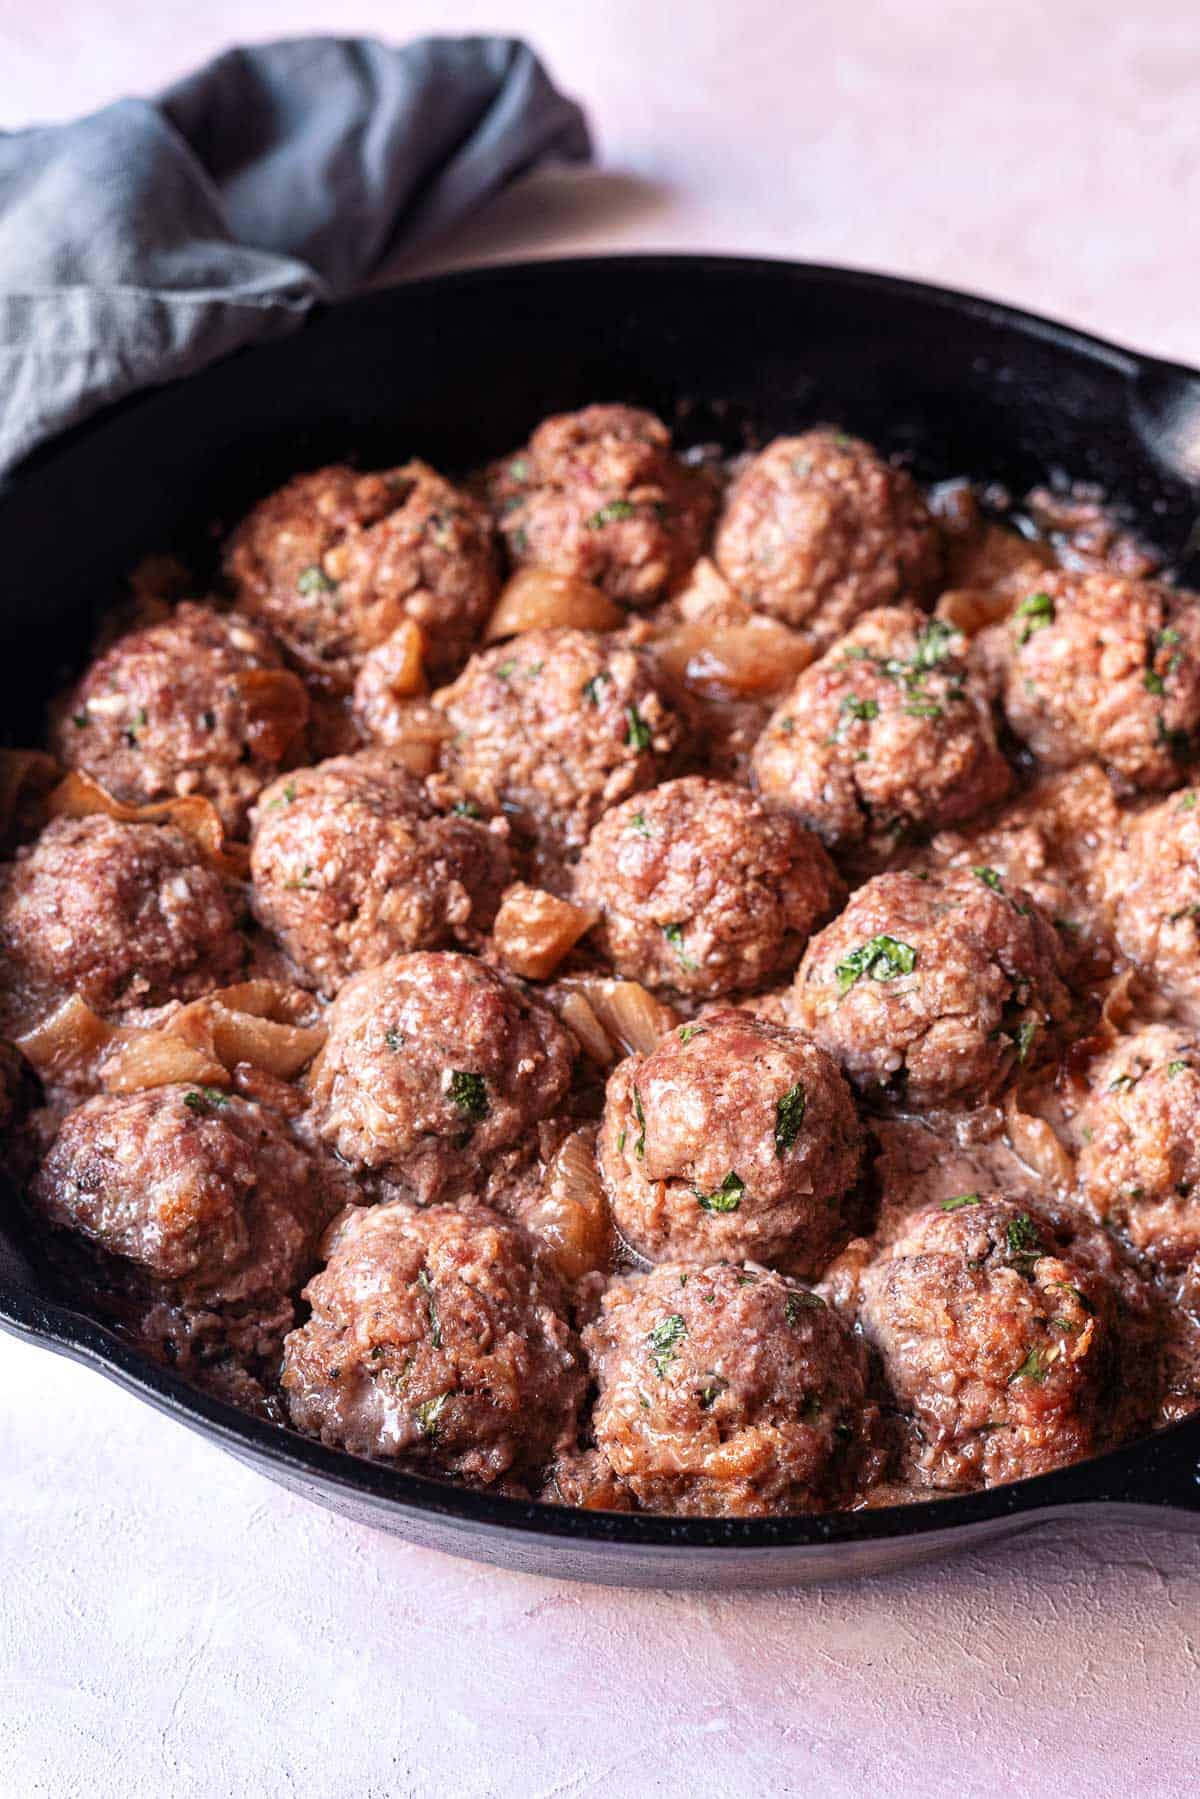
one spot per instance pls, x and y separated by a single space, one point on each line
1021 1238
1174 1068
435 1327
958 1202
674 936
610 514
1153 682
1035 1367
863 710
1037 610
990 878
935 641
314 580
507 670
1187 803
469 1093
286 798
1026 1032
881 959
639 1148
789 1116
466 809
709 1395
201 1099
638 734
640 827
688 1031
1119 1083
428 1416
393 1039
662 1339
801 1301
591 689
519 468
725 1198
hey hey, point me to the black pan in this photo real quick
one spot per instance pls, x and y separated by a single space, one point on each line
456 369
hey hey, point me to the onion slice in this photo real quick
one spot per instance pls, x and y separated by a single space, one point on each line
536 599
79 796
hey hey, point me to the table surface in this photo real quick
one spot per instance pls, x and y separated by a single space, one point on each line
172 1624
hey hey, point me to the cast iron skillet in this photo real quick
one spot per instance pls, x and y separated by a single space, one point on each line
456 369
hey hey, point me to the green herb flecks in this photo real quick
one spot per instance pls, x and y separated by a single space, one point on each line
1036 611
880 959
469 1093
1036 1365
429 1415
959 1201
314 580
205 1099
639 826
639 1148
789 1116
1026 1033
725 1198
435 1328
1174 1068
638 736
688 1031
990 878
800 1301
674 936
662 1339
466 809
1021 1239
591 689
611 514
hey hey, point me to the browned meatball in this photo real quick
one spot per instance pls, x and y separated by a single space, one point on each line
352 863
700 888
932 990
438 1336
999 1343
1103 666
1157 887
335 560
599 495
556 728
817 529
887 733
1139 1159
726 1392
122 915
434 1064
735 1138
202 1192
197 704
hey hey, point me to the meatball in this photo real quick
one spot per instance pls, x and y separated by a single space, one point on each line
999 1343
1139 1160
336 560
433 1065
935 990
206 1195
887 733
1103 666
353 863
817 529
124 915
735 1138
700 888
1157 893
600 496
726 1392
556 728
438 1336
196 704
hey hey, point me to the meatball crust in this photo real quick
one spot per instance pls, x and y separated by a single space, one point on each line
1139 1160
196 704
735 1137
599 495
725 1392
437 1336
999 1344
932 990
1157 897
556 728
700 888
887 733
336 560
353 863
205 1193
433 1065
818 528
124 915
1103 666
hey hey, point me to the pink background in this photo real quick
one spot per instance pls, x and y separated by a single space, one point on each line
169 1623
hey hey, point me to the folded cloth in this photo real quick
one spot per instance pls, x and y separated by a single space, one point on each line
141 243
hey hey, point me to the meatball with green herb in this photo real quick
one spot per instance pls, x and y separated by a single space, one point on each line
434 1065
352 862
439 1337
335 560
1107 667
556 727
701 889
887 735
601 496
727 1392
198 704
933 990
205 1197
1139 1157
818 529
734 1137
998 1343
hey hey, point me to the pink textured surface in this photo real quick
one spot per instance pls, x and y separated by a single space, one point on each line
169 1623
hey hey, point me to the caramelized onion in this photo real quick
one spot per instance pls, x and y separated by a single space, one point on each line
67 1040
276 709
734 660
78 796
578 1017
159 1059
1038 1145
415 732
534 930
536 599
570 1214
629 1017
